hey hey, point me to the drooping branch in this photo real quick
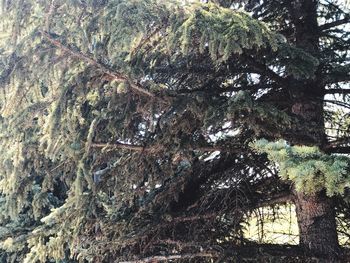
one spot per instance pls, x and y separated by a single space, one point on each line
256 200
114 75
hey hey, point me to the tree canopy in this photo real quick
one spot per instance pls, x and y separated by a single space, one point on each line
140 130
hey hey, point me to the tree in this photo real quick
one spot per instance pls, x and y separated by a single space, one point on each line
146 130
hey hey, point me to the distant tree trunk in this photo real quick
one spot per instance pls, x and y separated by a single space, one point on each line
316 221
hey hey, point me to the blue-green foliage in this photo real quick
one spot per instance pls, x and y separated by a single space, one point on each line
309 168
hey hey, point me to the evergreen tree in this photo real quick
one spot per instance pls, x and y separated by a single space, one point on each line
146 130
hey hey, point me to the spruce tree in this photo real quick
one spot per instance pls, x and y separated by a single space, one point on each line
147 130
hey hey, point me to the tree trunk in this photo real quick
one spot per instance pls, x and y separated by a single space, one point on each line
315 212
317 226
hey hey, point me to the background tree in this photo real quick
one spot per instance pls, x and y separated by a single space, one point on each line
147 130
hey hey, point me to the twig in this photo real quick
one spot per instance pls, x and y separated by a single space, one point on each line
49 15
145 40
124 146
58 166
192 218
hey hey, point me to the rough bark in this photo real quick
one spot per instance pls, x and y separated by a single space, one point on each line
317 226
315 212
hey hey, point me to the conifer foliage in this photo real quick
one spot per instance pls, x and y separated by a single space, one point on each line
146 130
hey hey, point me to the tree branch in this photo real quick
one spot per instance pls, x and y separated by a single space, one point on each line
265 70
172 257
114 75
192 218
252 251
338 149
338 103
145 40
49 14
124 146
337 91
334 23
278 199
337 77
253 87
159 148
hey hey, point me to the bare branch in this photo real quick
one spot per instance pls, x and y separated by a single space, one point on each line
337 91
339 103
334 23
278 199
